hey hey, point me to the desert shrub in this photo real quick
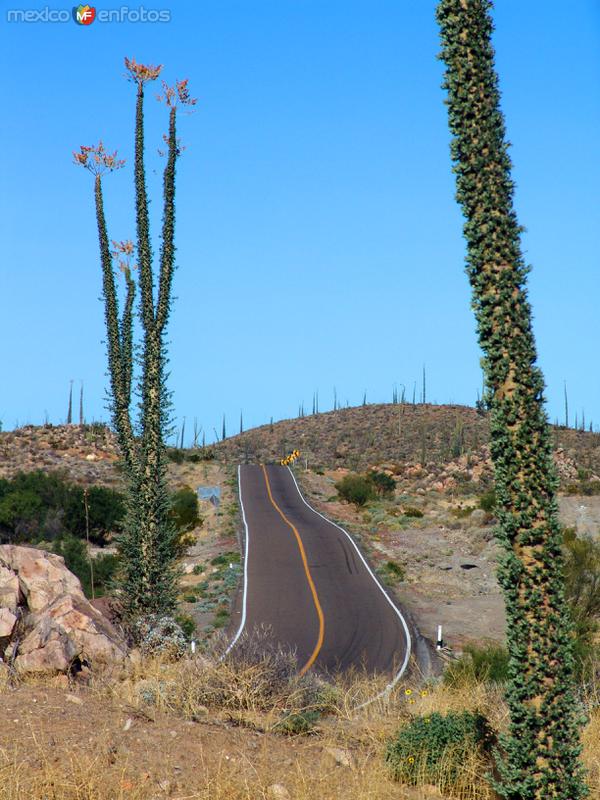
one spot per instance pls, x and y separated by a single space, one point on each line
35 506
74 552
160 635
297 723
569 534
259 674
96 428
432 749
187 625
176 455
184 509
582 589
21 515
392 572
411 511
582 576
487 501
76 558
106 509
260 677
464 483
462 513
231 557
221 617
384 484
488 663
356 489
584 487
194 456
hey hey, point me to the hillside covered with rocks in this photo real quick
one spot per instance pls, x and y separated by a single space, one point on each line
427 442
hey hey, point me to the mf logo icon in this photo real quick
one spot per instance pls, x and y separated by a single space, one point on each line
84 15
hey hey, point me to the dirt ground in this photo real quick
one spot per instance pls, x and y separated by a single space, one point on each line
70 742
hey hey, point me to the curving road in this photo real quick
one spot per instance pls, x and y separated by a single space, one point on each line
306 580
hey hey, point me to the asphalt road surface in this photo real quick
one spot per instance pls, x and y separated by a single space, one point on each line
307 582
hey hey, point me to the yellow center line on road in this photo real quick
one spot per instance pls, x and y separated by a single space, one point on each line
313 590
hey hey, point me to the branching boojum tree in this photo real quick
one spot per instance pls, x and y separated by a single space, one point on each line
149 577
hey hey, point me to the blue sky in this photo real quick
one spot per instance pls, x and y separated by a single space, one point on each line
319 242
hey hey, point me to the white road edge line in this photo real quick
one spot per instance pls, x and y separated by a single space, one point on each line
402 669
246 552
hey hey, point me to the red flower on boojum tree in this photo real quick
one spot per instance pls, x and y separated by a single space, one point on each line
176 95
97 160
126 248
141 73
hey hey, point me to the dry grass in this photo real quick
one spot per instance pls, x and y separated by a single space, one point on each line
223 716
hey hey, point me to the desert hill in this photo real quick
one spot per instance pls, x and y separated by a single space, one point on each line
424 434
429 436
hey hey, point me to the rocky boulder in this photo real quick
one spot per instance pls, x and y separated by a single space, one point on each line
41 576
46 623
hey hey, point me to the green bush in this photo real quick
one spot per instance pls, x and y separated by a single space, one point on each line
106 566
187 625
582 590
356 489
21 515
462 513
221 617
384 484
176 455
39 507
433 748
584 487
488 663
74 552
184 509
411 511
392 572
297 723
487 501
231 557
106 510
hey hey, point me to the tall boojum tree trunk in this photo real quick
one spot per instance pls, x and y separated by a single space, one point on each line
542 745
149 580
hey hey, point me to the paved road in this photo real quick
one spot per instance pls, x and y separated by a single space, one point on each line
306 580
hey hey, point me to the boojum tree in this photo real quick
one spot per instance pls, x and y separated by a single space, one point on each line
540 751
147 542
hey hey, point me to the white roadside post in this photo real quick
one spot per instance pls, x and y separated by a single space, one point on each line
440 642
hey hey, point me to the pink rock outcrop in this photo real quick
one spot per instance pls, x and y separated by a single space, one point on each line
58 627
